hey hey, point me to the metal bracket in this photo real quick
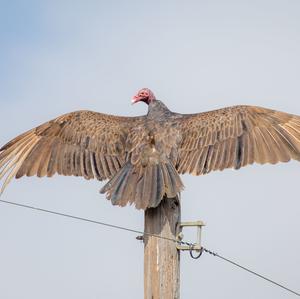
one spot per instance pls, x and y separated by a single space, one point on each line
197 246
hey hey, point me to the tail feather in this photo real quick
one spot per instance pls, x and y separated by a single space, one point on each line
160 186
154 186
148 186
118 183
144 187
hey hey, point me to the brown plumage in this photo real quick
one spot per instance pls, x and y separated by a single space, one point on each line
143 156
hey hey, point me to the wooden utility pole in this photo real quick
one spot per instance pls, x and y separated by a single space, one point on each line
161 257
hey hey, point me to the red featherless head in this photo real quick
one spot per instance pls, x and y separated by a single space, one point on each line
144 95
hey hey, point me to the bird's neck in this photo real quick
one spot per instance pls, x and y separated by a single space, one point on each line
157 109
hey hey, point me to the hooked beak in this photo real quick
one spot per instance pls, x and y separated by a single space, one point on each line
135 99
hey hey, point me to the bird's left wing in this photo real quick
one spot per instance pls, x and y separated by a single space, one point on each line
236 136
82 143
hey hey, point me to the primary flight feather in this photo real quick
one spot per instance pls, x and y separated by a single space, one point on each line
143 156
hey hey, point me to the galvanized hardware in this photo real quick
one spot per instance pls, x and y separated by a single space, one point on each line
195 257
195 246
140 238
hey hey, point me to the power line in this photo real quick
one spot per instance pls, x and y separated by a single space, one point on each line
153 235
250 271
94 221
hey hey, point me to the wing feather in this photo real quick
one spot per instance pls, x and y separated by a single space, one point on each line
82 143
236 136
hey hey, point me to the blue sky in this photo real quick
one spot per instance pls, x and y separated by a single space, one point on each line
61 56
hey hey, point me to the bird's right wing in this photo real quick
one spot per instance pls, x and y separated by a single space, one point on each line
236 136
82 143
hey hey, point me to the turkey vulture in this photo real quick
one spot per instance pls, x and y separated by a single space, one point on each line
143 156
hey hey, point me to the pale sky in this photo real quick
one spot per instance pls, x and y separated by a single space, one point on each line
61 56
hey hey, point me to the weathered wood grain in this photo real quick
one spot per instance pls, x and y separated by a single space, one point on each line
161 257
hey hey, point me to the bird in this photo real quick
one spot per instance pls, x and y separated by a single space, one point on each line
142 157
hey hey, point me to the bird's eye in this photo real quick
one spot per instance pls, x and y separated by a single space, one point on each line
143 94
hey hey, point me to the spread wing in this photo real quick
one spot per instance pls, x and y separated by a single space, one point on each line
236 136
82 143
